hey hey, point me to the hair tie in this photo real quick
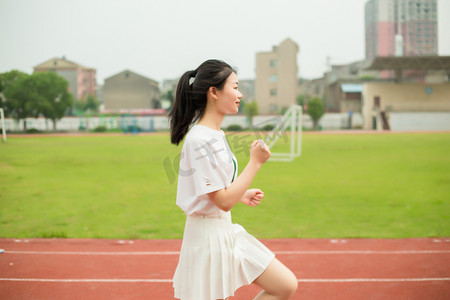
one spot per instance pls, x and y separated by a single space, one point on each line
192 77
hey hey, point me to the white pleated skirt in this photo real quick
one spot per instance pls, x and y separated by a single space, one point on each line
217 257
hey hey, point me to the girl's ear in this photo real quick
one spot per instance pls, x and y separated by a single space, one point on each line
213 92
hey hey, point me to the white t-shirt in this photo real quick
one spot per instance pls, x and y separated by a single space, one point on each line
206 165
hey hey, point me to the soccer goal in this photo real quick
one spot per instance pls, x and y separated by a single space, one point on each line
292 120
2 120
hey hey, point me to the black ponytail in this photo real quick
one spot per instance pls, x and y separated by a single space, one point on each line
190 97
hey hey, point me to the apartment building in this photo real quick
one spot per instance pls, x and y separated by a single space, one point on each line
276 77
401 28
129 90
82 80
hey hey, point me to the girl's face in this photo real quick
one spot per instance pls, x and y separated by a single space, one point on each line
229 97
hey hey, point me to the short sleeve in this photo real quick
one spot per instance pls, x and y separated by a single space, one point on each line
207 167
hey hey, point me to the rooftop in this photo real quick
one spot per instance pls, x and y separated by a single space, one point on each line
410 63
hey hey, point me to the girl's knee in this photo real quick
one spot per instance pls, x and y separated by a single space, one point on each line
288 286
291 286
278 281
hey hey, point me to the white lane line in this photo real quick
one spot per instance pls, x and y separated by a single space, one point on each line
96 253
376 279
170 280
86 280
365 252
276 252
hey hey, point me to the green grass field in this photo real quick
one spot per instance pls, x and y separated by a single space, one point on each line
343 186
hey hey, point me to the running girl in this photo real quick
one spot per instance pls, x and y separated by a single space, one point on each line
217 257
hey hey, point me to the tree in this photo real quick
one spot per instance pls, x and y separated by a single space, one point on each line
5 80
251 110
21 97
92 104
315 110
168 96
300 100
53 95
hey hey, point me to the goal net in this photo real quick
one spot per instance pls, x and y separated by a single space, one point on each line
291 120
2 124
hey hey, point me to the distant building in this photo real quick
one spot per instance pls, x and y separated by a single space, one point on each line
381 100
169 85
100 93
247 88
344 85
311 88
82 80
129 90
276 77
401 27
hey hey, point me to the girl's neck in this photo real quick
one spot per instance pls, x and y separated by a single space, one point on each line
211 120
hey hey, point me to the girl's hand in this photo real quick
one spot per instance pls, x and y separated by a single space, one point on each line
252 197
259 152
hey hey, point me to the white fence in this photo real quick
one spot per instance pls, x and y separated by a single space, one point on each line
330 121
408 121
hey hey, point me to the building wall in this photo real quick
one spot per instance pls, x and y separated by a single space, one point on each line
311 88
371 15
71 77
276 77
418 22
82 80
263 86
128 90
88 84
415 21
287 74
333 101
340 74
404 97
351 102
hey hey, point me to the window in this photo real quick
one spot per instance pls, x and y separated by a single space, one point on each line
273 92
273 107
317 90
273 78
273 63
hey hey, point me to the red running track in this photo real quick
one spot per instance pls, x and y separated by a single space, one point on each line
142 269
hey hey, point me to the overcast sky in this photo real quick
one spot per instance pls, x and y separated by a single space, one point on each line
161 39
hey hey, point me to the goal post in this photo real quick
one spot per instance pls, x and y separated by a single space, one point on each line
2 120
293 119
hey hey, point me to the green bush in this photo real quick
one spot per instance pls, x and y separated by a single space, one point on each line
54 234
33 130
234 127
268 127
101 128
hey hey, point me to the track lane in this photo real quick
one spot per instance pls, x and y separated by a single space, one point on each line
337 269
161 267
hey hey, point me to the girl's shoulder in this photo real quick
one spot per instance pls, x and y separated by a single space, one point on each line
203 133
201 136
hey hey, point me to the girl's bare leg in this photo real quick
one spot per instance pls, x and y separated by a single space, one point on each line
277 282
